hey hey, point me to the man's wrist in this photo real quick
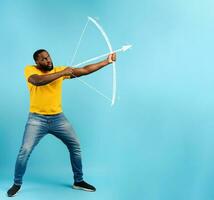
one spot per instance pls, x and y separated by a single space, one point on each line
107 62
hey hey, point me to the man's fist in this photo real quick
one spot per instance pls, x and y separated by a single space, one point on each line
111 58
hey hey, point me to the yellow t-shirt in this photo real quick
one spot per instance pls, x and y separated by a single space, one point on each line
45 99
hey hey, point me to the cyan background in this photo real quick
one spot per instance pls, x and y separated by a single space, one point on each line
156 143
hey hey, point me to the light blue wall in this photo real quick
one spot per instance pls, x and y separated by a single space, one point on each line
156 143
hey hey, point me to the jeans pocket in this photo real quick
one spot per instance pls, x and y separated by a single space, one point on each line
33 120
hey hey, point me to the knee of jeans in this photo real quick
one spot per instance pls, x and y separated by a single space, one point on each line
77 152
25 150
75 148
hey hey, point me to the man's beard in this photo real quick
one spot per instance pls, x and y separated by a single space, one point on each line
46 67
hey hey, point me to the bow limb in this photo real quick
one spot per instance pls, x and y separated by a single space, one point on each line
111 51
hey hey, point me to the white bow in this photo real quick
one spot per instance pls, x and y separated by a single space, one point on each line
114 80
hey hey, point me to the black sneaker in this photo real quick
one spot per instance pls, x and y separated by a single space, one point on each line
83 186
13 190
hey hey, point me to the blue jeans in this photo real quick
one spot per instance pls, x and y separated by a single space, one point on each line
36 128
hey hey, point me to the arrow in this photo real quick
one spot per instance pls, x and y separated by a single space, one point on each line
124 48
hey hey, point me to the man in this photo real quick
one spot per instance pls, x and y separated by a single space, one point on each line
45 84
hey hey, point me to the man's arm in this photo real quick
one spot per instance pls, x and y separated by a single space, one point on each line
88 69
77 72
40 80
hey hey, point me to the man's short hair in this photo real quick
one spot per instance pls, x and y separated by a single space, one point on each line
36 53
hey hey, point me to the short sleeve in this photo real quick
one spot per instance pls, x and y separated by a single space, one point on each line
29 70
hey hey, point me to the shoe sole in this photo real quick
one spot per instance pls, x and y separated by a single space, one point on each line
14 194
81 188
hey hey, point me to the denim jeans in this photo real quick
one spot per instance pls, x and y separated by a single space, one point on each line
36 128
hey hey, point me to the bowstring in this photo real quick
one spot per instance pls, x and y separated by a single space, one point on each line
78 43
79 79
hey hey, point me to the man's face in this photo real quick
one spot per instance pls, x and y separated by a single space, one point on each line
44 61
